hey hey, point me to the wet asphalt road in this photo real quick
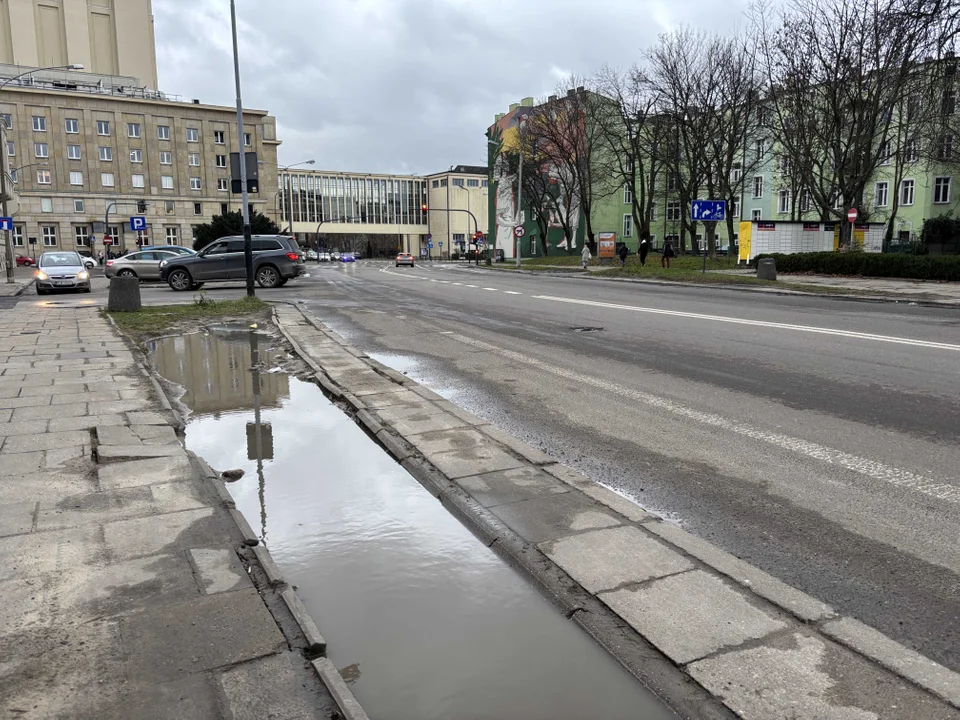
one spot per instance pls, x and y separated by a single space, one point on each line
814 437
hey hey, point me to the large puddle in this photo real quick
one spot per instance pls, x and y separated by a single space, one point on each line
424 621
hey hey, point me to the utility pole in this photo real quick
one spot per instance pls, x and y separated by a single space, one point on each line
516 239
247 238
11 265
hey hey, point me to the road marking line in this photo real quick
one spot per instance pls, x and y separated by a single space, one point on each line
759 323
491 289
456 283
512 292
473 286
864 466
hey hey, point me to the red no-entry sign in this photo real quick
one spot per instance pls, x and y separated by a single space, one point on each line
852 215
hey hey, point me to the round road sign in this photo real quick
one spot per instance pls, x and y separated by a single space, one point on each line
519 231
852 214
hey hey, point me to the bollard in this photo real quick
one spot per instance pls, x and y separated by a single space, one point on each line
767 269
124 294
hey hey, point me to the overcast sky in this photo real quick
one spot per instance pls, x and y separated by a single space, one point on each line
405 86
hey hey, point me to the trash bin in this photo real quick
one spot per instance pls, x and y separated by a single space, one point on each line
124 294
767 269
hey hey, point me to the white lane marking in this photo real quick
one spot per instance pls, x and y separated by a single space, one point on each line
759 323
456 283
431 279
491 289
468 285
508 292
864 466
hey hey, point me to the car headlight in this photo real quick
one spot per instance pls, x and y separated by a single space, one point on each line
41 275
83 275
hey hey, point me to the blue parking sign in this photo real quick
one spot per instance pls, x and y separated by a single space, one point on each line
138 222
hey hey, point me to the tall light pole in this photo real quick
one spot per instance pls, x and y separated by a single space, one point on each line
3 167
242 155
290 191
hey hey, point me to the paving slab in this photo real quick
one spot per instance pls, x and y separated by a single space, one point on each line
420 421
116 435
177 496
195 697
97 508
611 558
273 687
144 472
447 440
50 412
147 418
24 427
691 615
45 488
218 570
799 675
179 639
127 539
629 509
44 441
84 422
508 486
473 461
109 453
156 434
548 518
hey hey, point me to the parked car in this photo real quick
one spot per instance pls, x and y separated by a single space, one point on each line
89 261
335 256
178 249
62 270
311 254
276 260
325 257
24 261
144 265
347 258
405 259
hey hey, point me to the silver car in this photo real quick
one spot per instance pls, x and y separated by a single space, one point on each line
144 265
62 270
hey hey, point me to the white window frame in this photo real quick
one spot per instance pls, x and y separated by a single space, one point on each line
221 161
946 147
138 181
757 186
912 150
18 239
11 148
133 130
166 182
41 150
74 176
193 159
81 235
196 184
885 152
166 157
219 137
79 206
627 225
169 207
106 153
760 147
163 132
46 205
197 206
783 202
171 234
71 126
39 123
904 185
881 194
48 233
734 210
44 177
223 185
103 128
74 152
136 156
627 195
939 182
248 139
674 211
107 179
756 215
193 135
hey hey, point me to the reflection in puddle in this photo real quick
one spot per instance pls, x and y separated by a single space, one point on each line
426 622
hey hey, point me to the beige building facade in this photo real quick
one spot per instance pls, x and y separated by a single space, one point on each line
107 37
458 207
73 149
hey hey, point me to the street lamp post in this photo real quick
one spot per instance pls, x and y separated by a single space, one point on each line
3 167
290 191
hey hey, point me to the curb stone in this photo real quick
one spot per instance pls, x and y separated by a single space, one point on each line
341 692
316 645
755 586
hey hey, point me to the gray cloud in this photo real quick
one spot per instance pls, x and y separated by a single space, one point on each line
402 85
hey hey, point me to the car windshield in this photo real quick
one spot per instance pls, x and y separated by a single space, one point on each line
60 259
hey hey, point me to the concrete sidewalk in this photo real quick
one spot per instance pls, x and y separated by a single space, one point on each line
735 634
129 588
19 285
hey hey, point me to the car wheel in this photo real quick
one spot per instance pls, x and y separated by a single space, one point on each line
41 292
268 276
284 282
126 272
179 280
398 264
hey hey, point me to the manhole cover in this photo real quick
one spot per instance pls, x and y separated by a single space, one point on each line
586 329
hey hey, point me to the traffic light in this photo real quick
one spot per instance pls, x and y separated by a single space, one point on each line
479 236
141 206
424 208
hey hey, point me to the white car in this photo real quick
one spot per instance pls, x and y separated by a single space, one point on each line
335 256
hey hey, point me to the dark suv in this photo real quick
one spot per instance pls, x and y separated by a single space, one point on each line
276 259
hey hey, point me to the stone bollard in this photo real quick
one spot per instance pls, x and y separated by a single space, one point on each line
767 269
124 294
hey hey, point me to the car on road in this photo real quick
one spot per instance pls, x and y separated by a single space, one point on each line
277 259
325 257
311 254
24 261
347 258
405 259
89 261
144 265
62 270
177 249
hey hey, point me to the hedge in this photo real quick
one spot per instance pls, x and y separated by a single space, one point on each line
914 267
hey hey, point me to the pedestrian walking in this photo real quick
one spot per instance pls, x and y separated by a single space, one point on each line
585 256
668 252
644 249
622 254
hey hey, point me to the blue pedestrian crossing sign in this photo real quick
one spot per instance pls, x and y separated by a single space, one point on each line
430 245
138 222
6 223
708 210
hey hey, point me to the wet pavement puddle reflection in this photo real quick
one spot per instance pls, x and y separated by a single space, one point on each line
424 621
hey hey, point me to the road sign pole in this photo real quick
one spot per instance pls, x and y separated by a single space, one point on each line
245 201
8 235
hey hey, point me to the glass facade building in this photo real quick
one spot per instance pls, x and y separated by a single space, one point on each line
352 198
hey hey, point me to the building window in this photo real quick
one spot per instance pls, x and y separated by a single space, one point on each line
163 132
949 101
222 185
758 186
103 127
734 211
221 161
458 182
884 153
193 160
783 201
946 147
169 207
18 235
472 182
806 200
172 235
881 194
49 235
81 235
133 130
435 184
74 152
627 225
195 183
247 139
78 206
106 154
443 182
7 120
113 232
76 177
46 205
735 174
756 215
673 211
906 192
761 149
193 135
39 123
166 182
224 209
11 149
218 137
671 182
40 150
941 190
627 195
107 179
43 177
136 156
72 126
911 150
198 208
138 181
166 157
485 183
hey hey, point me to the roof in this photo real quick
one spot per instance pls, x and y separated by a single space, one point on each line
463 170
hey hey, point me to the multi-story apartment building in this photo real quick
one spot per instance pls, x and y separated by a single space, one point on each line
458 208
81 147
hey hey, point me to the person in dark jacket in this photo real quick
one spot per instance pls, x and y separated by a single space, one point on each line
622 253
644 249
668 252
